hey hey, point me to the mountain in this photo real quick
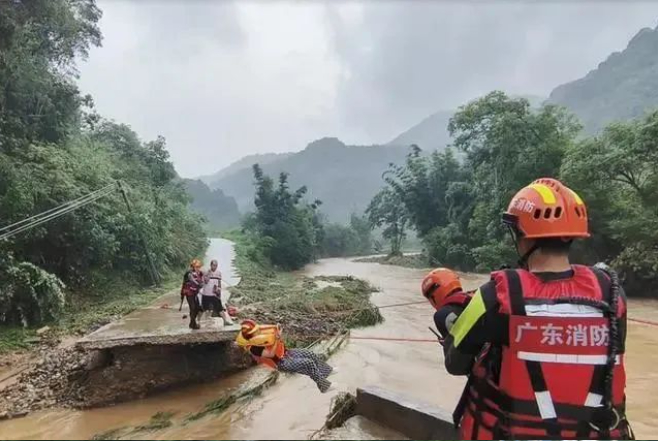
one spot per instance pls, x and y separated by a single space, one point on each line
622 87
344 178
242 164
220 211
432 132
429 134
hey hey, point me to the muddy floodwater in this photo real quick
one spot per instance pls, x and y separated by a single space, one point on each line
293 408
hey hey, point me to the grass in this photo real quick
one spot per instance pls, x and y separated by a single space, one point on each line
223 403
88 310
159 421
306 308
419 261
110 434
15 339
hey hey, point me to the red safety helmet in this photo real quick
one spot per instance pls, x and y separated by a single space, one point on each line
439 284
547 209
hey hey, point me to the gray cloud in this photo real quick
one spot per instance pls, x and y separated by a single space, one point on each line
406 60
223 79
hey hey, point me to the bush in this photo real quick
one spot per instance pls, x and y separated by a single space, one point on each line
446 247
493 255
29 296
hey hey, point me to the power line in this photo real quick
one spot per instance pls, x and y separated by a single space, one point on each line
55 213
52 210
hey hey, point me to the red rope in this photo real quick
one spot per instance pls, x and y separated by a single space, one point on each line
415 340
644 322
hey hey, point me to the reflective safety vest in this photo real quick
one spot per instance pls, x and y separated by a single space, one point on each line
548 378
267 337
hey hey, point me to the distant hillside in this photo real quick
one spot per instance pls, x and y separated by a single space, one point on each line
220 211
242 164
432 132
429 134
344 177
622 87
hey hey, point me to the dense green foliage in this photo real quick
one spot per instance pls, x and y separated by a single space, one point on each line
617 175
455 207
354 239
623 87
288 230
219 210
55 148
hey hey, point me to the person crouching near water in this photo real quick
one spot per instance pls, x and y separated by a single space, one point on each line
265 345
211 298
192 283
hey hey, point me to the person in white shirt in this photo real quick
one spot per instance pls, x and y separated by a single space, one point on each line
212 292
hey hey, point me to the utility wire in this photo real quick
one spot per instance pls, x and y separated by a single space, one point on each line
52 210
51 214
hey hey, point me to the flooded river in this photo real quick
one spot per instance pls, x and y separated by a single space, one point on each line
294 409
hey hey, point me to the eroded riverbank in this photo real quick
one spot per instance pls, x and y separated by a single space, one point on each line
293 409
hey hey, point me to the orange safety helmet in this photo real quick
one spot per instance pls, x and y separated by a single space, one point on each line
248 328
547 209
439 284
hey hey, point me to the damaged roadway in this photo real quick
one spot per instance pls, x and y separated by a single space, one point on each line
156 325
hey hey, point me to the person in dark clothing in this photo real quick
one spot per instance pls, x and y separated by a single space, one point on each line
192 283
542 345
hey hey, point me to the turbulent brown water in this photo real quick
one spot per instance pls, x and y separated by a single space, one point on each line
294 409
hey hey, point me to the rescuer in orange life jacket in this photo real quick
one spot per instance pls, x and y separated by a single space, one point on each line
192 283
265 345
543 345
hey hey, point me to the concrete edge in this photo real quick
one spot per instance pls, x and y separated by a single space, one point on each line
415 420
176 339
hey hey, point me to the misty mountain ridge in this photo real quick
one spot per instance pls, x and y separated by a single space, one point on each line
242 164
432 133
221 211
623 87
344 178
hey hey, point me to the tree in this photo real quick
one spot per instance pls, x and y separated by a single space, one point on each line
617 174
387 210
507 146
289 227
39 42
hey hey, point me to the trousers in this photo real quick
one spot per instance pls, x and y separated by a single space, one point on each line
305 362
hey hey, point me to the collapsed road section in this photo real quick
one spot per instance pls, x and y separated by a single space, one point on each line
152 349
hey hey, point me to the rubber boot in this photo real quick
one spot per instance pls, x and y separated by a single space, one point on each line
226 318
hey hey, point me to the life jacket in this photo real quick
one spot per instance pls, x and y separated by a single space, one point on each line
189 288
267 337
546 380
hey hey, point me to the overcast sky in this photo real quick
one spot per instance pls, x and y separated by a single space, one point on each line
221 80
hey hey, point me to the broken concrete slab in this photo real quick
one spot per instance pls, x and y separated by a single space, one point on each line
157 326
413 419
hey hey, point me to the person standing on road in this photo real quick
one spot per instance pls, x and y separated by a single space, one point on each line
212 294
543 345
192 283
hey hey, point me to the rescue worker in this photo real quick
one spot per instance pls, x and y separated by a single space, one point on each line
192 283
211 299
266 346
543 345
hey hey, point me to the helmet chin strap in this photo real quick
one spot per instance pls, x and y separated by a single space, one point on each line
523 259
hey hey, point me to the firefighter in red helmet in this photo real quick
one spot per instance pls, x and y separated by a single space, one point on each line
542 345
